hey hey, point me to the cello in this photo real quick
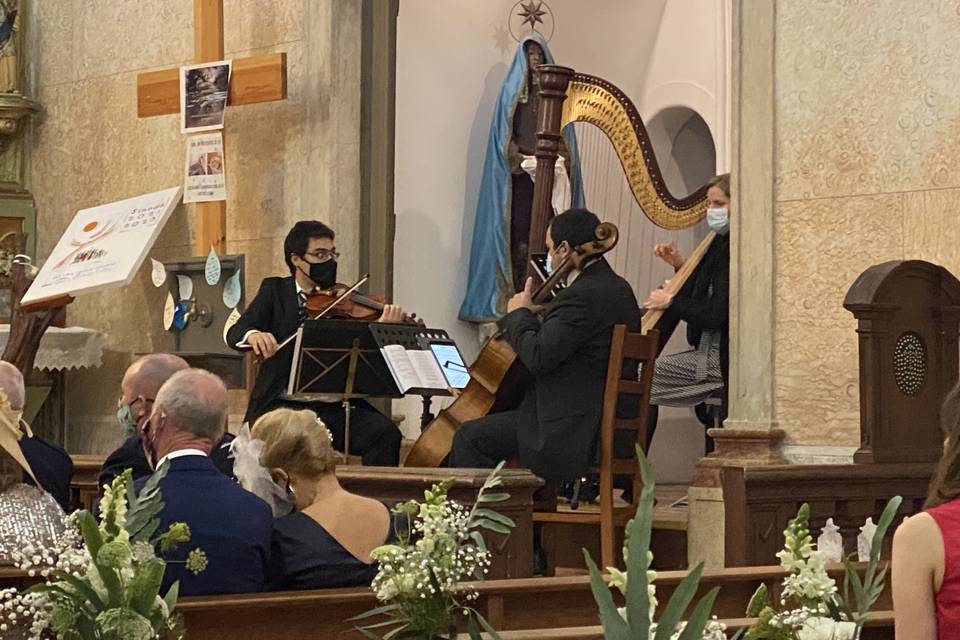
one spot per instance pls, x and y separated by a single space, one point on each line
498 379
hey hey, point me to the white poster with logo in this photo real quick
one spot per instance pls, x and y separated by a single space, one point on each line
104 246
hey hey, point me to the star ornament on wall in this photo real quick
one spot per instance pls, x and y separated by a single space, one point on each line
532 12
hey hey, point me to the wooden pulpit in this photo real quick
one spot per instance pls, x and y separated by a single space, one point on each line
908 313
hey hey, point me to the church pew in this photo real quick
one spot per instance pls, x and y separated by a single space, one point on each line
517 605
83 485
523 604
759 501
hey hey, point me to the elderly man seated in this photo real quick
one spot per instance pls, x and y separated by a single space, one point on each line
231 525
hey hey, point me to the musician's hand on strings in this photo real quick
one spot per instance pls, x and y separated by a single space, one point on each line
669 253
263 344
658 299
524 299
392 314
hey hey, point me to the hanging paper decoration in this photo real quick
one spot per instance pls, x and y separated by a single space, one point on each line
158 274
168 309
186 287
212 269
231 320
231 290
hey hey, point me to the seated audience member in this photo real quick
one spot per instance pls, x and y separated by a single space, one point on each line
51 465
28 514
231 525
139 387
327 541
926 548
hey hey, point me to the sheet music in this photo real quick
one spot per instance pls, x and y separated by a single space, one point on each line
413 368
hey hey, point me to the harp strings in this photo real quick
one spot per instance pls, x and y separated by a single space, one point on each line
608 194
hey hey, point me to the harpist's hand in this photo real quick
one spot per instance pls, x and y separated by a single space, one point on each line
392 314
669 254
658 299
263 343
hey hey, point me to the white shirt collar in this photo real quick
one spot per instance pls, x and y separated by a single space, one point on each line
181 453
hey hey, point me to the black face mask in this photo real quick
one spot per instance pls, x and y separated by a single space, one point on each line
323 274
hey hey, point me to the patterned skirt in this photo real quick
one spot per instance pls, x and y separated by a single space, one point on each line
688 378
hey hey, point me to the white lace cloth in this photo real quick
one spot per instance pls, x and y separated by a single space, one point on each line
64 348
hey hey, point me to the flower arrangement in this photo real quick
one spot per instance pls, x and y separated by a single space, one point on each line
419 580
818 608
636 584
102 581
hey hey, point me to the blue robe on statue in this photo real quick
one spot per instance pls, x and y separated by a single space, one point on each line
490 282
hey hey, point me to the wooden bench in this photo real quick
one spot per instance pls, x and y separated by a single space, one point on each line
520 605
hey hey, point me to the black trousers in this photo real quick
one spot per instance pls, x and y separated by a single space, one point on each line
373 436
484 442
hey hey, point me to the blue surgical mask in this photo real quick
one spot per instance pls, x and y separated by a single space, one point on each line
549 265
719 220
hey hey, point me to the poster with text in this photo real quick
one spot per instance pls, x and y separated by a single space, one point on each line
203 95
204 179
103 246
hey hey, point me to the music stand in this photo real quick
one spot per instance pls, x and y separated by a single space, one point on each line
339 359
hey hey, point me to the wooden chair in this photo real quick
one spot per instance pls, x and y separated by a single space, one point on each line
627 352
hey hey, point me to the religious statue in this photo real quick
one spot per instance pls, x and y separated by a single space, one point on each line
9 70
499 252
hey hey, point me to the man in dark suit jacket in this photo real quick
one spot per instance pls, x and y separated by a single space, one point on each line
231 525
276 313
51 465
554 430
138 388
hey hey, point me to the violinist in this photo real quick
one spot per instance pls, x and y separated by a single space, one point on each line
276 312
565 346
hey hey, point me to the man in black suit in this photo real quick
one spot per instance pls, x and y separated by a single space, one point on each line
276 312
51 465
139 387
554 430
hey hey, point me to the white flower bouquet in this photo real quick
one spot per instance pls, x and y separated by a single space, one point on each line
102 581
818 609
419 579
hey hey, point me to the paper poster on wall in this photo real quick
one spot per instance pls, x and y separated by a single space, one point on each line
203 179
231 320
103 246
203 95
185 285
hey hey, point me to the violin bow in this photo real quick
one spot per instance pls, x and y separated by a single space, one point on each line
339 299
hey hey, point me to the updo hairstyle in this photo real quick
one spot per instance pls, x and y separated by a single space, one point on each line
296 442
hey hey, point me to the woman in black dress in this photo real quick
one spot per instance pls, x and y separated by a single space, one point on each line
327 541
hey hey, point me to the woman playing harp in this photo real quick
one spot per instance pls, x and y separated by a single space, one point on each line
688 378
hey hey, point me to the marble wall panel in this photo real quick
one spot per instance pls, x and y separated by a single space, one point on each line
821 247
114 36
51 40
932 231
867 96
252 24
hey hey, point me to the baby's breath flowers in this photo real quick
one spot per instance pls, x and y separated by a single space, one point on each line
420 579
102 580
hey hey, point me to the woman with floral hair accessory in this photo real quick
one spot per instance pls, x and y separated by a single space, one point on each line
926 548
28 515
328 539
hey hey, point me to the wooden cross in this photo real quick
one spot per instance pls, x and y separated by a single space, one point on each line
261 78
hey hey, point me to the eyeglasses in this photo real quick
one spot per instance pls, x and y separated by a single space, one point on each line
324 254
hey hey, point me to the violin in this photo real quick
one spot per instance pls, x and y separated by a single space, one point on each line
343 302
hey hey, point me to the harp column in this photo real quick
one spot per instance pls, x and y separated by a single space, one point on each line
553 91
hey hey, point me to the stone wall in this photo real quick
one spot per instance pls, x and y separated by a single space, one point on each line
867 136
285 160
